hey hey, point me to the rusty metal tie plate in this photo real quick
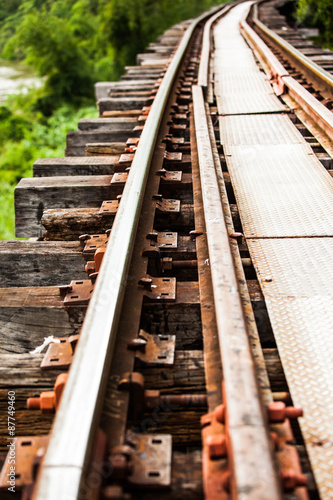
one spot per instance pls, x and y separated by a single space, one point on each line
180 117
178 127
151 460
172 177
27 452
79 293
133 141
109 207
173 157
60 355
163 240
94 242
167 206
167 240
159 289
175 140
126 158
119 178
159 349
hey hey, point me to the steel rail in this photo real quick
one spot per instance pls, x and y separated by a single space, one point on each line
62 472
311 69
316 111
246 423
206 46
245 415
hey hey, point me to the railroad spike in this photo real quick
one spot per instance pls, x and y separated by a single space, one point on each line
195 233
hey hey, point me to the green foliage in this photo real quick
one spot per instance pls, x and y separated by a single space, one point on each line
51 48
28 140
130 25
72 44
317 13
76 42
12 127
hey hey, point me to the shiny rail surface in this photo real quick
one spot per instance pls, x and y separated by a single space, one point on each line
284 83
66 458
281 167
245 413
249 167
313 71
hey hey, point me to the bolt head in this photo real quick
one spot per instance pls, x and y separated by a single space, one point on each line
217 446
47 402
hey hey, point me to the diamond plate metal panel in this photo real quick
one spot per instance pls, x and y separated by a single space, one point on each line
240 86
226 57
296 277
281 190
259 129
244 92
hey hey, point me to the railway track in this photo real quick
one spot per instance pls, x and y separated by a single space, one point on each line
178 267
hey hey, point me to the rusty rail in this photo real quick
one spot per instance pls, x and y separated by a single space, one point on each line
312 70
72 438
283 82
249 461
206 46
244 413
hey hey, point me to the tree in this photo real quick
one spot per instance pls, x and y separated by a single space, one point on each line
51 48
317 13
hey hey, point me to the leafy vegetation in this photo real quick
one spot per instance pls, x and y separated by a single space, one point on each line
72 44
22 142
319 14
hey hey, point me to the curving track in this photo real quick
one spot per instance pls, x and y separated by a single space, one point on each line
203 200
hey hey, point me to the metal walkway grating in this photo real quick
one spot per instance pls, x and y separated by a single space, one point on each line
281 191
239 85
297 281
285 201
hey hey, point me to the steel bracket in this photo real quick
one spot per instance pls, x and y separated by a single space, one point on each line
119 178
179 117
173 140
146 110
151 460
158 349
109 207
48 401
133 141
159 289
78 293
126 158
28 452
178 127
94 242
171 157
142 118
60 355
167 206
215 469
93 266
170 177
163 240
